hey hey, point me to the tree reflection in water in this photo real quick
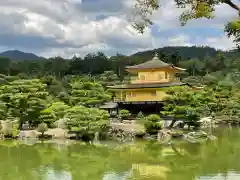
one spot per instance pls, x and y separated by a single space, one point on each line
143 160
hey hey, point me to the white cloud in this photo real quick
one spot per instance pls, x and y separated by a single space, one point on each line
180 40
68 27
64 24
221 42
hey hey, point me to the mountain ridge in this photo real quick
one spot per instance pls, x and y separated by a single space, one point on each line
185 52
17 55
188 52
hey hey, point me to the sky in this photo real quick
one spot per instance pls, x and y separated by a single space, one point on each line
77 27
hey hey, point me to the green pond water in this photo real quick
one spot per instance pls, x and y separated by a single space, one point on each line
141 160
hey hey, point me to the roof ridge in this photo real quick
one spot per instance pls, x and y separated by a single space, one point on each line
154 63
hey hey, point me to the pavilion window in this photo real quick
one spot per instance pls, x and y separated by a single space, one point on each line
153 93
142 77
172 77
166 75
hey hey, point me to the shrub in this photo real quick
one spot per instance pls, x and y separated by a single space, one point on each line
86 121
42 128
153 123
75 129
193 119
124 113
7 128
61 123
140 115
89 119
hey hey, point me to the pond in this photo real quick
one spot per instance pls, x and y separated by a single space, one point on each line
142 160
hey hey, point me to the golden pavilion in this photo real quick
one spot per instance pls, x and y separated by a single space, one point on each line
148 85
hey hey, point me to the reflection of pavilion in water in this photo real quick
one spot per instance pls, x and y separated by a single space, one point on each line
115 176
124 176
56 175
229 176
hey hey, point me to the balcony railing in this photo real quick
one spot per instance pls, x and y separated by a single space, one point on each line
156 81
174 79
134 78
119 99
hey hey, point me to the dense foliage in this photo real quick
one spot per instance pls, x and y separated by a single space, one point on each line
31 100
89 119
68 92
24 99
58 72
221 101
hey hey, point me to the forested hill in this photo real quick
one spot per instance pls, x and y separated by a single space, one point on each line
20 56
187 52
198 61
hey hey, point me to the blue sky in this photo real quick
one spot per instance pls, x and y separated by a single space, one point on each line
77 27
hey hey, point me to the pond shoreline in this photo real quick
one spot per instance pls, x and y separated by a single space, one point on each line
164 136
124 131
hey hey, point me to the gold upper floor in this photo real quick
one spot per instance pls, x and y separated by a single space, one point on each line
157 76
153 71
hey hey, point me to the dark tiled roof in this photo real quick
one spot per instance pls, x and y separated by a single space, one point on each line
154 63
152 85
